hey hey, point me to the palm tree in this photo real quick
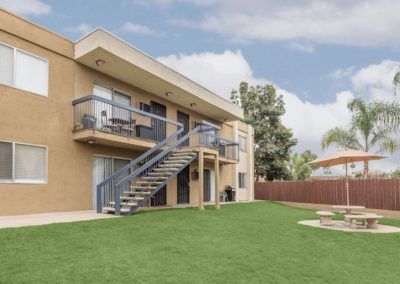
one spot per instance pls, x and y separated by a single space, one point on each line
371 129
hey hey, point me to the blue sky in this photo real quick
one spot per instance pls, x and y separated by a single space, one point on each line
305 74
319 54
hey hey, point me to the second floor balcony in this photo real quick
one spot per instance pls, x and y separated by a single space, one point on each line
101 121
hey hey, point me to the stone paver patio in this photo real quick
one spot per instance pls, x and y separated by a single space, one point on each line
386 213
340 226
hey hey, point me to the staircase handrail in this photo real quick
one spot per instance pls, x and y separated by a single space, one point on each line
125 180
133 163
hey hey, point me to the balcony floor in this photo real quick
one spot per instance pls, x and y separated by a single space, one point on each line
112 140
134 143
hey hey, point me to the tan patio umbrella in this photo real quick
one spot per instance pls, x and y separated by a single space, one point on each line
343 157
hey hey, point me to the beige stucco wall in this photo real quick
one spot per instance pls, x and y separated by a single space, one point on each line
246 162
33 119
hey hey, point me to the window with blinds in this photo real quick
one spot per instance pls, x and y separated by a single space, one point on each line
6 65
242 143
6 161
23 70
22 163
242 180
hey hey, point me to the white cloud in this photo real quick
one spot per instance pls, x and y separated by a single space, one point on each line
356 22
81 29
301 47
342 73
26 7
219 72
129 27
222 72
375 80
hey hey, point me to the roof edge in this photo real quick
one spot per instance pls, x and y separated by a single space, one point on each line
160 63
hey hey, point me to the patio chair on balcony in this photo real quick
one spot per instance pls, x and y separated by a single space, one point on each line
106 125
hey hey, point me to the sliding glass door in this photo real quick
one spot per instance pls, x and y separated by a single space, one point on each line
104 167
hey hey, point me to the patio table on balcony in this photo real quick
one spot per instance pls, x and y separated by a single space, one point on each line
122 124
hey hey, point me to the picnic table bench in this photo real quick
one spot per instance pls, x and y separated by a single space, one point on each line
365 221
325 217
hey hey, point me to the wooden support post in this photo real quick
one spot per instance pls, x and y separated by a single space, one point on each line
216 168
201 179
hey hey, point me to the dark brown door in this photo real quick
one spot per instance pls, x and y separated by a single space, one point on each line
183 187
160 198
207 186
184 119
159 127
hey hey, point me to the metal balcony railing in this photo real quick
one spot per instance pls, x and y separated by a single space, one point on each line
96 113
228 149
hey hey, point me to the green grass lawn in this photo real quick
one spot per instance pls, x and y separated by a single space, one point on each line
244 243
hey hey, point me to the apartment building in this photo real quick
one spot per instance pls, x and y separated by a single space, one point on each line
98 124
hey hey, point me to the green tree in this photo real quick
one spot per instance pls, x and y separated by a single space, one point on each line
263 109
371 129
300 167
396 81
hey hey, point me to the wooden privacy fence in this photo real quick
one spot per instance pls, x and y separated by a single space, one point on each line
371 193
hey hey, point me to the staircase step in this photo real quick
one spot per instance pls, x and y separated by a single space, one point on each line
135 192
140 192
142 187
170 165
179 157
124 203
112 209
154 178
136 198
176 154
160 174
133 198
165 169
176 161
149 182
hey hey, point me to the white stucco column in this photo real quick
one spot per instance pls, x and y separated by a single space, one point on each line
201 179
236 170
216 169
250 157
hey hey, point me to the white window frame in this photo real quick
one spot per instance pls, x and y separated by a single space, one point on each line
113 90
15 49
244 180
26 181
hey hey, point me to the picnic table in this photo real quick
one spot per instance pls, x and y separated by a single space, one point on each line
365 221
348 208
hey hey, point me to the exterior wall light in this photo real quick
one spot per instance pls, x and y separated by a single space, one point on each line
100 62
193 105
91 141
168 94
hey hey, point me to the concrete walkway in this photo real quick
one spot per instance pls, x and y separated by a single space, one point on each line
50 218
